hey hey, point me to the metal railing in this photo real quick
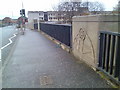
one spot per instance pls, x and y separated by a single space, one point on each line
61 33
109 54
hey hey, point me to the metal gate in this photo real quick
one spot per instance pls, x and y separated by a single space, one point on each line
109 54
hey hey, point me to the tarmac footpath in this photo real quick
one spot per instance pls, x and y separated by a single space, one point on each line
37 62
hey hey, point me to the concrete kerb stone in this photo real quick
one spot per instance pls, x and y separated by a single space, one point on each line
109 81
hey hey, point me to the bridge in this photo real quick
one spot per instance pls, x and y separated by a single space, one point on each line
45 59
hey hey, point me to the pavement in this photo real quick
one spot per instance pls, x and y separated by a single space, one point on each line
37 62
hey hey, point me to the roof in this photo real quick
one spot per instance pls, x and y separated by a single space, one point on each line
35 11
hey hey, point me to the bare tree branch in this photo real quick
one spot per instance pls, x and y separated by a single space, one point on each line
93 6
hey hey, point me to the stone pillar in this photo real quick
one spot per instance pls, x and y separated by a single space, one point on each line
85 35
38 25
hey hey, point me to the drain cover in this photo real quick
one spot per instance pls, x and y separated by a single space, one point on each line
46 80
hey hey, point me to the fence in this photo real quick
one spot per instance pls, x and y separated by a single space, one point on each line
61 33
109 54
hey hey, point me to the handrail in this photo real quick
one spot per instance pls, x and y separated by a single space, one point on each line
110 33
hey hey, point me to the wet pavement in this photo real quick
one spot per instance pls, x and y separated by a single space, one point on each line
37 62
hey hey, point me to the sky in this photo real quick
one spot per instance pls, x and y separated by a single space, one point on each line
11 8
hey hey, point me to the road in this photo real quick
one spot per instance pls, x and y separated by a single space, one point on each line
6 33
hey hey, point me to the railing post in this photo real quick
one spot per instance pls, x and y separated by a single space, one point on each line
117 61
108 52
104 51
112 54
118 57
101 35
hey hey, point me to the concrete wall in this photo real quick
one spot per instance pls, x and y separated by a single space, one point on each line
31 18
108 23
85 35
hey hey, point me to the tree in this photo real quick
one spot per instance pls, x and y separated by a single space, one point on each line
93 6
7 21
76 7
69 9
117 7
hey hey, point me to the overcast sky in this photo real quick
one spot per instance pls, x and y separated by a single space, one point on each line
11 8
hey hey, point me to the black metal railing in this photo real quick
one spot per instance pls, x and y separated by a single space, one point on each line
61 33
109 54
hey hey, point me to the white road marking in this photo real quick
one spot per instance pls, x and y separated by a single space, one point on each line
10 41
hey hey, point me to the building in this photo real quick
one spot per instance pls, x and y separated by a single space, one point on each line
7 21
53 16
61 16
33 16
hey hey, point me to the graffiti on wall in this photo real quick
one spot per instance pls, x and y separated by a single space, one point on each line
83 43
